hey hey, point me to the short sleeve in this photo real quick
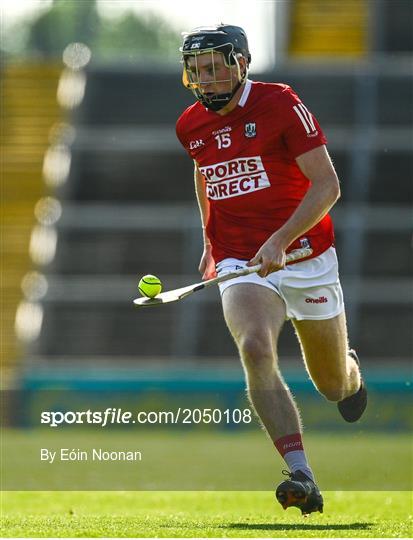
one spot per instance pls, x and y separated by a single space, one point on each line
301 131
179 128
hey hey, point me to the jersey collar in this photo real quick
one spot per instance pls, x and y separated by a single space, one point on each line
245 93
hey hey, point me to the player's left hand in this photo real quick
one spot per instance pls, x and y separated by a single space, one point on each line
207 264
271 256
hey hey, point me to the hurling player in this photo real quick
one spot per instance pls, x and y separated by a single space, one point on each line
265 183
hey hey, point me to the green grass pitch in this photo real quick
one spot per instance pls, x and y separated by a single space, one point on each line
201 514
347 462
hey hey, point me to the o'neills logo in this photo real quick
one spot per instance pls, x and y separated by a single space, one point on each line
291 444
234 178
319 300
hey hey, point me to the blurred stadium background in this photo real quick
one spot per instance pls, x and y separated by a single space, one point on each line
96 191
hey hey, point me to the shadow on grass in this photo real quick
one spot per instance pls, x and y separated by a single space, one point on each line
295 527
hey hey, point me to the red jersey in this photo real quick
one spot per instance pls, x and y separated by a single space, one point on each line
247 158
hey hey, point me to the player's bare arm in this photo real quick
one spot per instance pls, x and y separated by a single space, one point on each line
207 264
321 196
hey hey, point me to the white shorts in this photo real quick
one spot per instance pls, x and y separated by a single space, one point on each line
310 289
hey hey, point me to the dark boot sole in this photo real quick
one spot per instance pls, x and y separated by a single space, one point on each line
288 494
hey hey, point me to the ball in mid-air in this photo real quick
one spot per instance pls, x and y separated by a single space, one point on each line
150 286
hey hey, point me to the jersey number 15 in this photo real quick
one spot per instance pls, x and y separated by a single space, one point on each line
223 140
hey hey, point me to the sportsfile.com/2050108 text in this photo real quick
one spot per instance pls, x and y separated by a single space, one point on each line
113 416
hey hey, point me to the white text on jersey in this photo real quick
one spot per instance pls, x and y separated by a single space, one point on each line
234 178
196 144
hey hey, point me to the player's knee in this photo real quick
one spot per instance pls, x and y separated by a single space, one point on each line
256 351
255 347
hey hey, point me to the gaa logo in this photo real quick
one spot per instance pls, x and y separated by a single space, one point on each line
250 130
196 144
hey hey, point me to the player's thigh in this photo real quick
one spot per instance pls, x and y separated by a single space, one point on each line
324 344
253 313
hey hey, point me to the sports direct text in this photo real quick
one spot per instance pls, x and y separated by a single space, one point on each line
113 416
236 177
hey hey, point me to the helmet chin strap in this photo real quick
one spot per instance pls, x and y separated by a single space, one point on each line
218 101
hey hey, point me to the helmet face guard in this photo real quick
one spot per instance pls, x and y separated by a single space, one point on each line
192 79
220 42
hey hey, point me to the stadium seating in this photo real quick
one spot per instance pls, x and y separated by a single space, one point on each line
29 109
128 209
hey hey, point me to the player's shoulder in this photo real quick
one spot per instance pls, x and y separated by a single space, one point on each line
277 92
188 116
276 99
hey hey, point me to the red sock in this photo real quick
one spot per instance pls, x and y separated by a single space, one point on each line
288 443
292 450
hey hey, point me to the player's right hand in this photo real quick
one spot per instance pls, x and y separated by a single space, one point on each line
271 256
207 264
